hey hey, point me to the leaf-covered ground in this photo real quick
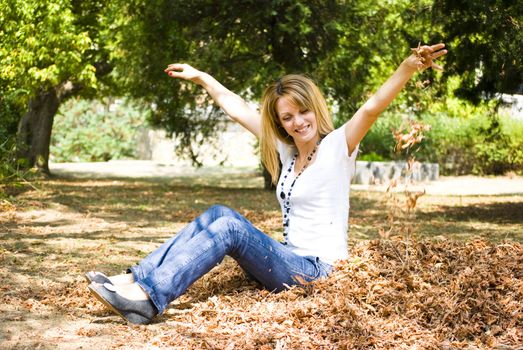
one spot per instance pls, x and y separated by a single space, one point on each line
456 282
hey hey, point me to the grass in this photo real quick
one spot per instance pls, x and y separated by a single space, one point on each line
51 236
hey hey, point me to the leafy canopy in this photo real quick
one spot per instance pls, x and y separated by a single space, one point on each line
485 39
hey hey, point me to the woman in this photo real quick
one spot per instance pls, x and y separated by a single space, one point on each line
295 129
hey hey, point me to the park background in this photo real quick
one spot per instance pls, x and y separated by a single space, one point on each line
83 81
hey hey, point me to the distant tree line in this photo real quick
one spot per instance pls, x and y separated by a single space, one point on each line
51 51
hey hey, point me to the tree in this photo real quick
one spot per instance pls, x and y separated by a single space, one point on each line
346 46
244 46
49 51
53 50
485 40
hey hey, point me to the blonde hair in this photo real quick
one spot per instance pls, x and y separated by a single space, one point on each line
302 92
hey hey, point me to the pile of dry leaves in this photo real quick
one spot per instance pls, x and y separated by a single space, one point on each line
438 295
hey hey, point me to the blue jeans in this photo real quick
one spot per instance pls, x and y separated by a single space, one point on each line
167 272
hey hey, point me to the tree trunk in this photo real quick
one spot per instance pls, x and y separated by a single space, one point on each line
34 129
267 181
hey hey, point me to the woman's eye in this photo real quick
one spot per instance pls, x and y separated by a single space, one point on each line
303 111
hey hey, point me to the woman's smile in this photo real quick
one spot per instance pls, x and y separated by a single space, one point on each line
298 122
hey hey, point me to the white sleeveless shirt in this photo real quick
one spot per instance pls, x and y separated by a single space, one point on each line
319 202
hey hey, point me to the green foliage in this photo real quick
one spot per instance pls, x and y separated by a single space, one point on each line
13 173
482 144
8 125
244 47
371 157
88 130
377 36
9 121
379 141
485 39
45 43
501 150
52 48
450 142
465 138
7 169
348 47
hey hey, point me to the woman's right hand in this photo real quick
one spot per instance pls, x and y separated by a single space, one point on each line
184 71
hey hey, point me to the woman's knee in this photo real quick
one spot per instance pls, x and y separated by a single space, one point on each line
225 224
230 230
219 210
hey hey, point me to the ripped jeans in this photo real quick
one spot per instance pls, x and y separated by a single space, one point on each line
168 271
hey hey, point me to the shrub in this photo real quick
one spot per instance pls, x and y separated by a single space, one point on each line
450 143
10 113
486 144
95 130
502 150
482 144
379 142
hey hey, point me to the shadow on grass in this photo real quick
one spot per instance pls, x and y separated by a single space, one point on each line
497 212
492 217
76 225
152 202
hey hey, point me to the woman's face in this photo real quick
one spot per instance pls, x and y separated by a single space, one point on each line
298 122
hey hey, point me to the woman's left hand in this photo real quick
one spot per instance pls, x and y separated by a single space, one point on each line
423 57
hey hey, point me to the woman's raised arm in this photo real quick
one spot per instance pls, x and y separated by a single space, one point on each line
422 58
232 104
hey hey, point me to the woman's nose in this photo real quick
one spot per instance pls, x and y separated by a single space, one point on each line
298 120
